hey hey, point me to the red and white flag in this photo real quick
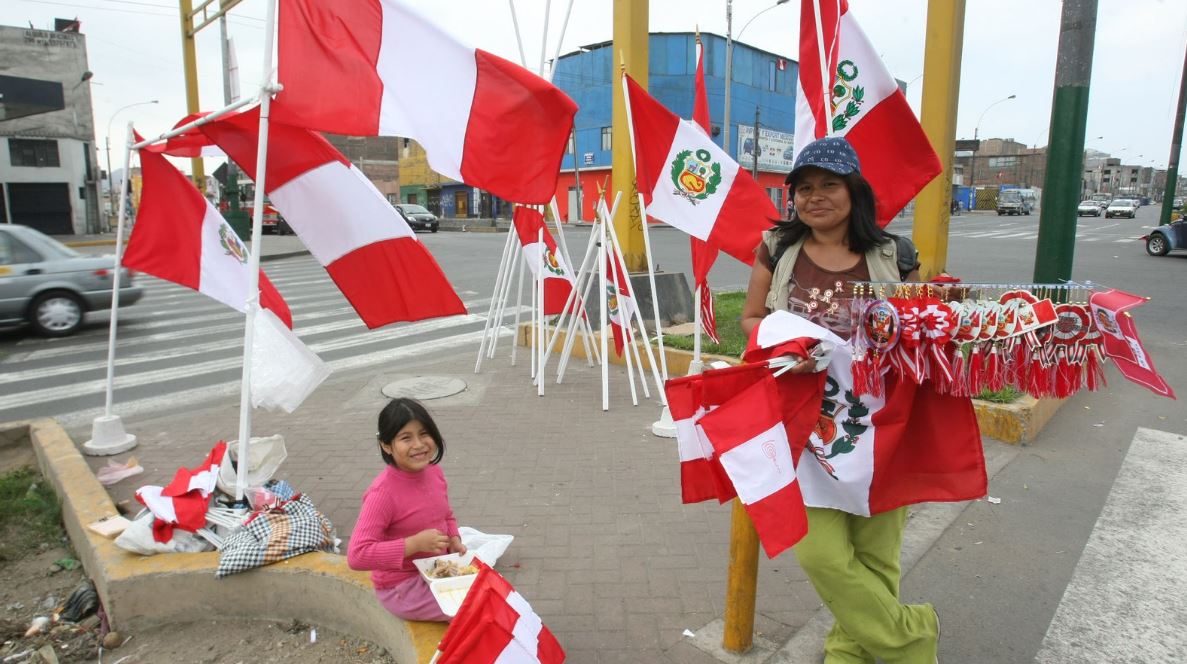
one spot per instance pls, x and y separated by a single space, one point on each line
495 624
865 106
868 455
1110 311
703 253
619 301
350 228
352 68
690 183
184 502
558 277
749 438
180 237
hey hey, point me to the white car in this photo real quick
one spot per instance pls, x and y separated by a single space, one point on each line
1121 207
1089 208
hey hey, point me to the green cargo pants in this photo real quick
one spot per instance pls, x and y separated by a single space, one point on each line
853 562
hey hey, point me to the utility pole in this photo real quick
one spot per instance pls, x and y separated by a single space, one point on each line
1172 165
941 95
189 61
630 42
1065 159
729 74
755 171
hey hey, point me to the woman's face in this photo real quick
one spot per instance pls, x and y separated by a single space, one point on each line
822 200
413 448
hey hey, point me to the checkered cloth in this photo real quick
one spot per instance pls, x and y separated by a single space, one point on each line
289 529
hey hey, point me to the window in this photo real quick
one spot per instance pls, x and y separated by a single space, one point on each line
33 152
569 147
997 162
776 195
607 139
411 199
771 74
14 252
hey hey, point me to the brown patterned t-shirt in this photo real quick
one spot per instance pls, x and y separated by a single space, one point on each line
823 296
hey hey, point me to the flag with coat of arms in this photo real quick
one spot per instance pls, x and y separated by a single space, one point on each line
539 248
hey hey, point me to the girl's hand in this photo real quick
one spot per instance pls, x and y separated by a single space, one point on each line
456 546
431 541
804 365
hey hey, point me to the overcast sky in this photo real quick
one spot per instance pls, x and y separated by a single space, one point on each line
1009 48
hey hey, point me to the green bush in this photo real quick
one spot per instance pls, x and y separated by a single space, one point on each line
727 307
30 513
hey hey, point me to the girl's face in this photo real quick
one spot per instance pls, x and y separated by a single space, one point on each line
413 448
822 200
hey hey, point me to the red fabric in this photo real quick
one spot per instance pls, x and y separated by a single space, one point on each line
292 151
201 478
896 157
529 223
394 280
519 127
1119 335
619 301
189 144
327 65
747 212
810 72
779 518
655 128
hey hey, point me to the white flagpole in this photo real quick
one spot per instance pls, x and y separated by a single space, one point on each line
624 318
523 59
564 248
617 248
571 314
532 327
557 56
602 309
825 79
540 321
494 302
518 305
107 431
584 282
544 37
253 251
513 264
696 339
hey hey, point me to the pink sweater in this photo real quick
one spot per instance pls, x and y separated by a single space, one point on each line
396 505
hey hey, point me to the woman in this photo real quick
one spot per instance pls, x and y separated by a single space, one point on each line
805 266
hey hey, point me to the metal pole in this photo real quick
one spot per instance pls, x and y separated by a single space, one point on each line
1172 165
189 57
115 277
940 100
110 184
754 171
729 73
1065 159
742 582
577 178
630 42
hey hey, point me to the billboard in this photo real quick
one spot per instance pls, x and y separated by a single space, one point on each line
775 149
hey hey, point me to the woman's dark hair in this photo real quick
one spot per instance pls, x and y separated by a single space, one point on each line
396 415
864 233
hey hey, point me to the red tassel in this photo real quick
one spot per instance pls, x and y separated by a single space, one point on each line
1020 367
1037 386
1094 371
976 381
960 374
995 374
860 376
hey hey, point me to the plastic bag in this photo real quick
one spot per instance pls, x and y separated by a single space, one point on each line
264 456
138 538
488 548
114 471
283 370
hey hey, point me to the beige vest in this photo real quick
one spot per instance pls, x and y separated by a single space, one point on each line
882 262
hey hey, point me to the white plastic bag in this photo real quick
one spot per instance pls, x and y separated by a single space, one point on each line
283 370
488 548
138 538
264 456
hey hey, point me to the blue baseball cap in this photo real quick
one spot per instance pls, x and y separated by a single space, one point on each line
832 153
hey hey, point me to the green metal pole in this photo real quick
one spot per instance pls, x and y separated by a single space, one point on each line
1172 166
1065 157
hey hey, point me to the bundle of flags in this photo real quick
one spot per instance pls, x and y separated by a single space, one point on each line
184 502
541 256
496 624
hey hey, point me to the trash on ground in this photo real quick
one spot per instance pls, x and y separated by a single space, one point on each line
995 501
688 632
114 471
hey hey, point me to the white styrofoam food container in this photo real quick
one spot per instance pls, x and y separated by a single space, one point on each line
448 592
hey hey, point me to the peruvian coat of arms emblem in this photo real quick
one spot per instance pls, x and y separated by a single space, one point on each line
695 176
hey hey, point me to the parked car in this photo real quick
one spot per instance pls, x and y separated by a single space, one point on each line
418 217
1165 239
1088 208
1121 207
52 286
1011 201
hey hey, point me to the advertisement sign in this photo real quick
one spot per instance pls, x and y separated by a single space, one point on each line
775 149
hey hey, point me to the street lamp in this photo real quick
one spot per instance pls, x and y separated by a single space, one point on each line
110 186
729 63
976 135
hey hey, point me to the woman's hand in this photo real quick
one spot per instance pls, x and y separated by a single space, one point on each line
456 546
803 364
430 540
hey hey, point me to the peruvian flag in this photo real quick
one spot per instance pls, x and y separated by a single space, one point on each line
350 228
496 624
703 253
749 437
620 300
690 183
558 278
868 455
358 68
865 106
180 237
184 502
1121 343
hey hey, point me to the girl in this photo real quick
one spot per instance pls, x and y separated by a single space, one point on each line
405 513
832 238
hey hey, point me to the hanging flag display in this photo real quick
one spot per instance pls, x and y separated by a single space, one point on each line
180 237
557 275
865 105
1119 339
350 228
347 68
690 183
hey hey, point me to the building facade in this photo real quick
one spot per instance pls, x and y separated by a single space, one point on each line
49 176
376 156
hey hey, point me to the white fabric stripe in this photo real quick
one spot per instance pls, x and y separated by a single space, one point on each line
693 216
336 210
223 267
531 254
760 466
872 74
782 326
204 480
438 124
690 438
526 630
160 506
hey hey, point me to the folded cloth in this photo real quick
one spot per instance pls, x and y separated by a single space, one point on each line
289 529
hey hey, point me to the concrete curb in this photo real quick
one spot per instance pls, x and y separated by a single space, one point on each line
137 592
91 243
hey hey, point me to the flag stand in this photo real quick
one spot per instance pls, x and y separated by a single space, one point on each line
107 431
